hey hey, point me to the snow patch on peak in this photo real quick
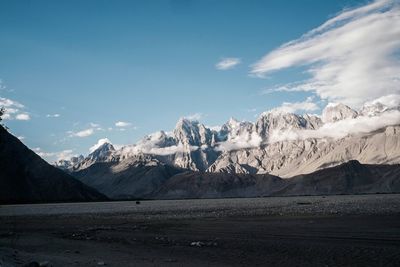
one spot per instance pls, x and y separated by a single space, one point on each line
233 123
99 144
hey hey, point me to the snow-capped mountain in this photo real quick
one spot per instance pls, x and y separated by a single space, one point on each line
336 111
294 157
380 105
279 143
234 128
65 164
278 121
192 133
101 152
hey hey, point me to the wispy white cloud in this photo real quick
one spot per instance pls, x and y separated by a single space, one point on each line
23 117
65 154
389 101
13 110
83 133
54 156
306 105
56 115
160 151
251 110
351 58
241 141
122 124
158 143
227 63
5 102
6 116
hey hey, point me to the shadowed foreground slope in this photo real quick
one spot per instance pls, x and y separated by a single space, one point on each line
26 178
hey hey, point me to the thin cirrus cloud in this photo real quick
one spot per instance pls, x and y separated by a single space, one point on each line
228 63
83 133
350 58
122 124
94 127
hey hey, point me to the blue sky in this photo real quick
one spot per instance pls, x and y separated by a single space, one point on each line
147 63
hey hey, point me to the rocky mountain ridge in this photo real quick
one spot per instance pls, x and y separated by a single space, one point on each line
278 143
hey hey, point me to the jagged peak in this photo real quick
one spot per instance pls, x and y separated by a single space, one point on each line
233 122
277 112
102 150
186 122
101 144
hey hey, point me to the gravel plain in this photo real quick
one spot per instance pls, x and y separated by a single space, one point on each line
346 230
335 204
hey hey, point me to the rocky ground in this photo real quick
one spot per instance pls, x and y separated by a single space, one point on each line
293 231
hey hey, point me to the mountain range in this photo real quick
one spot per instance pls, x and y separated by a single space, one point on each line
278 145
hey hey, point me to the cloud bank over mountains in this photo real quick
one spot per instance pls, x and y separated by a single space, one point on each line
351 58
